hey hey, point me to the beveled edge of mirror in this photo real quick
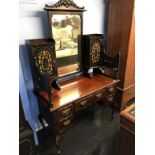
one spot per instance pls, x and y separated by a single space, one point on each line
64 5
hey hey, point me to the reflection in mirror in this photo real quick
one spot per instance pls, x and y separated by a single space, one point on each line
65 31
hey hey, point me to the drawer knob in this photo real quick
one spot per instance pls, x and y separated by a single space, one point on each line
83 103
110 99
111 90
66 123
65 112
99 95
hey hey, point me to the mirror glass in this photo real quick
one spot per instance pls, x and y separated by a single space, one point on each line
65 31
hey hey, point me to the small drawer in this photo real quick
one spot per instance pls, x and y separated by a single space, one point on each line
64 112
80 104
66 123
100 95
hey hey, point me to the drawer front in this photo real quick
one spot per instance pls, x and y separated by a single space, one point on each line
64 112
100 95
110 93
65 124
81 104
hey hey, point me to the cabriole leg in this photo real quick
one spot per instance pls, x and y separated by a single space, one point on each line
57 141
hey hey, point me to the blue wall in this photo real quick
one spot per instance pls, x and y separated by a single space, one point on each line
29 101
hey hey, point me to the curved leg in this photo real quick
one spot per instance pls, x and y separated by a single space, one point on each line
93 108
57 141
112 113
114 108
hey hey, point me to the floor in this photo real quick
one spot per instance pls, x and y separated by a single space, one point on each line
92 135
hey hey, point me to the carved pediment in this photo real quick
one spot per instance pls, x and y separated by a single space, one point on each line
64 5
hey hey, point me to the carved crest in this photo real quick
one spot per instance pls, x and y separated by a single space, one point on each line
64 5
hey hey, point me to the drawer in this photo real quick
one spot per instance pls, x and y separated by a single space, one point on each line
66 123
81 104
64 112
100 95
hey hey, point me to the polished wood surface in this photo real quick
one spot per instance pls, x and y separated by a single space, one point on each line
114 27
128 80
126 24
121 39
77 88
127 132
126 113
127 119
70 69
130 63
75 95
125 95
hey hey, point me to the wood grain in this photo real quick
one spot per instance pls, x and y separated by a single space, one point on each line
77 88
126 113
121 39
127 132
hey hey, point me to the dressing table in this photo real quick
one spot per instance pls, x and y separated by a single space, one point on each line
75 95
64 83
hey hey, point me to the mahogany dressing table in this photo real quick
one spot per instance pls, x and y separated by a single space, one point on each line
65 57
75 95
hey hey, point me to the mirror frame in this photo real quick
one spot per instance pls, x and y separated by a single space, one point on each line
65 7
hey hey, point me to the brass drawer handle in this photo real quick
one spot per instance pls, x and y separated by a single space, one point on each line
111 90
99 95
83 103
66 123
65 112
110 99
